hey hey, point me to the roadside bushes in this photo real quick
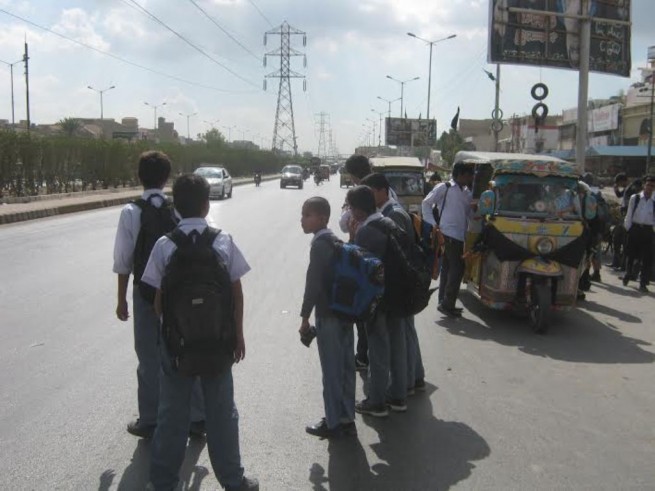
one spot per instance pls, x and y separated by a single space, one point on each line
34 164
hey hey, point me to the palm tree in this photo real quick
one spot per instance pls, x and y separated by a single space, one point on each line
70 125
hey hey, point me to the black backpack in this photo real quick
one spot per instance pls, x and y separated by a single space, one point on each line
155 223
407 275
199 326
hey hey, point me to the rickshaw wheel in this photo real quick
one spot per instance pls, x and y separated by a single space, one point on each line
540 308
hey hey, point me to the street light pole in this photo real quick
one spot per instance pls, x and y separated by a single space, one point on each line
402 89
99 91
154 107
11 71
431 44
388 102
187 116
380 129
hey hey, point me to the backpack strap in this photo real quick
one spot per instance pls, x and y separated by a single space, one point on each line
443 203
209 235
637 199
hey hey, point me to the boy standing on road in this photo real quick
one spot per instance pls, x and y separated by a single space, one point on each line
133 244
374 239
639 222
453 201
415 372
191 198
334 337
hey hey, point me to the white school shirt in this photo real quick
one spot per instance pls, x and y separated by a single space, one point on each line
643 215
454 212
321 232
161 254
127 232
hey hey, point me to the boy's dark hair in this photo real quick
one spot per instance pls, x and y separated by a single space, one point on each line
361 198
154 169
358 166
190 193
649 179
376 181
462 169
318 205
435 177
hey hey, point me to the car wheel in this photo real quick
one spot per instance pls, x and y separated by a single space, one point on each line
300 186
230 193
222 195
281 185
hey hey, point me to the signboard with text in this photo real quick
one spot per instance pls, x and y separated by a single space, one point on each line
405 132
531 38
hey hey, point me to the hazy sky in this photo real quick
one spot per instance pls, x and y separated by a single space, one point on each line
351 47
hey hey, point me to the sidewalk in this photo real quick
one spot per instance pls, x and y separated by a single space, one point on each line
58 205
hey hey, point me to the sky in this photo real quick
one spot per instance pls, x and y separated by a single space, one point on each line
351 48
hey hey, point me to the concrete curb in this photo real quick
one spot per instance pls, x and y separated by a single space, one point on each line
60 207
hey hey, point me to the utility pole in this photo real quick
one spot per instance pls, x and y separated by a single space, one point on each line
187 116
497 108
284 131
101 91
155 127
27 87
11 72
380 129
583 85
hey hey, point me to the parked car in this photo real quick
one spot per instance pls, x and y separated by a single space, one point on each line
291 176
219 179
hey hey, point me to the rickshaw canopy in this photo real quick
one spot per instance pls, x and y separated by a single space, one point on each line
518 163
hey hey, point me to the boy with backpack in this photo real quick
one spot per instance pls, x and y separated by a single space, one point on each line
390 208
141 224
196 271
374 235
334 337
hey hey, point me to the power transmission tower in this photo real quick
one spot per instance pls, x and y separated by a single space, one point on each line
284 131
323 123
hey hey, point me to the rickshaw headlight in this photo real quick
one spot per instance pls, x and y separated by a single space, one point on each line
545 246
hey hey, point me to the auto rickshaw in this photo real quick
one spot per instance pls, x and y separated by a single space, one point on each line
345 179
526 245
406 177
324 170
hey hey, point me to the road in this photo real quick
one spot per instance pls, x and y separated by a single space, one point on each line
505 409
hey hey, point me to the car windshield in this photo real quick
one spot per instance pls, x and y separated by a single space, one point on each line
406 183
209 172
292 169
552 197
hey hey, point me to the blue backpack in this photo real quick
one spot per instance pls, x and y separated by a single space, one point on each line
356 284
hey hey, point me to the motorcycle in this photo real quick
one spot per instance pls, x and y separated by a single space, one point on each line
318 179
258 179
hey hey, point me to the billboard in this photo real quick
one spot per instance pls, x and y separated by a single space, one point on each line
405 132
531 38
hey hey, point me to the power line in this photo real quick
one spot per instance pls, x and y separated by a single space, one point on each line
123 60
261 13
194 46
215 22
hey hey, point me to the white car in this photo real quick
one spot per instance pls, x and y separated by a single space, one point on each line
219 179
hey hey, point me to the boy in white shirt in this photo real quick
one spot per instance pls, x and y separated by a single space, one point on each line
191 198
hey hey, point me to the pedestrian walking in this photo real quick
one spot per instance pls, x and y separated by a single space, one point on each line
639 222
334 337
141 224
453 200
196 271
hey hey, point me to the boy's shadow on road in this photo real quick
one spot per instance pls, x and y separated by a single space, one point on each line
573 336
419 452
136 475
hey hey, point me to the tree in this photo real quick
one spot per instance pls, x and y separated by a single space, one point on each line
70 126
213 137
450 143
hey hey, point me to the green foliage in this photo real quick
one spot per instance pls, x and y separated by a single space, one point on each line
69 126
31 164
450 143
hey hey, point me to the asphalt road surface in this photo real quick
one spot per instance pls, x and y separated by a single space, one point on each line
505 409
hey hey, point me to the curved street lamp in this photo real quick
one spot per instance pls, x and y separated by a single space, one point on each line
101 91
431 44
402 89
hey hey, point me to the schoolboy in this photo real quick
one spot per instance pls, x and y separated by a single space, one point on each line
191 199
153 169
413 369
361 202
334 337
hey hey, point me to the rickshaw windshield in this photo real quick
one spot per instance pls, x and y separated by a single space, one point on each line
406 183
542 197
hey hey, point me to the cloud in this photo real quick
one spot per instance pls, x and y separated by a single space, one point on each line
76 23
